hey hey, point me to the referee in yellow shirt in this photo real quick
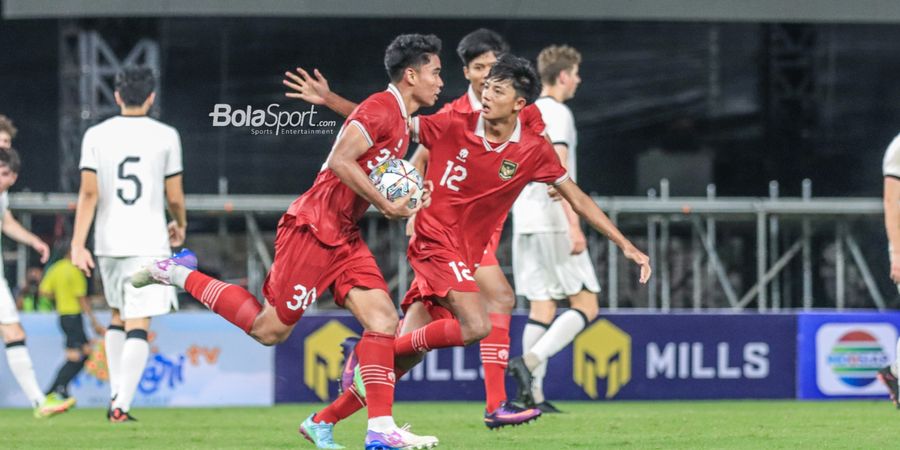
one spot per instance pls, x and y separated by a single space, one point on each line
67 286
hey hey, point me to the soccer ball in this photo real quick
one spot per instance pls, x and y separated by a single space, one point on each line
394 178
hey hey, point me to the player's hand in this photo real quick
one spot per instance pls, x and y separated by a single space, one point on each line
83 260
42 248
426 194
895 270
553 193
399 208
307 88
176 234
579 242
632 253
99 330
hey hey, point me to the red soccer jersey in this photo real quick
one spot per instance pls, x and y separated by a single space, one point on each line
475 181
531 118
330 208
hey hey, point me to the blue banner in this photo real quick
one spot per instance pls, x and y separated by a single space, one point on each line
840 353
196 359
619 356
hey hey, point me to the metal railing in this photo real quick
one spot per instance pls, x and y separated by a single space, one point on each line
698 219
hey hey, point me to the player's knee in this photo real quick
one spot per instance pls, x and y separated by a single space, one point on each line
475 330
13 333
384 324
590 313
502 300
269 337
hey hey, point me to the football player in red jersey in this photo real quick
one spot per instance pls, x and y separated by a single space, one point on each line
479 162
478 52
318 244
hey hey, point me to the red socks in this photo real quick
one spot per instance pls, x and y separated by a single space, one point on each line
232 302
438 334
494 357
344 406
376 365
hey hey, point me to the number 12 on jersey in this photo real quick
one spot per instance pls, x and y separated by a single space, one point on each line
454 173
461 271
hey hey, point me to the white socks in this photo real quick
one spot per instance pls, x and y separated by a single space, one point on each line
114 341
180 275
532 333
560 334
134 360
383 424
20 364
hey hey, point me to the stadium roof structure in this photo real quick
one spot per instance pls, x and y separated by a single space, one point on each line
858 11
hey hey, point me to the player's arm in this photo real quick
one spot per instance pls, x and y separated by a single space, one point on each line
419 160
315 90
579 242
18 233
176 207
892 222
585 207
351 145
84 217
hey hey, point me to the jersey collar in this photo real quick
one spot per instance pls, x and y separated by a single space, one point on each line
473 100
396 92
514 137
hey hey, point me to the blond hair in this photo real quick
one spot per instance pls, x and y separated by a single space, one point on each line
6 124
554 59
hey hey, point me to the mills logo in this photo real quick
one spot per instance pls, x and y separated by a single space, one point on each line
602 351
322 356
848 356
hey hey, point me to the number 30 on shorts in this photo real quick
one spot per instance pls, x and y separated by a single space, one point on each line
461 271
302 299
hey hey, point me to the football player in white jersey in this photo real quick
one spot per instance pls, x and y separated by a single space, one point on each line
13 334
130 172
550 261
891 171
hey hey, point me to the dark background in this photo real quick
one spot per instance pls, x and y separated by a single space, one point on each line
639 79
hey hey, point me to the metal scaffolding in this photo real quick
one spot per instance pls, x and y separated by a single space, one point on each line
87 69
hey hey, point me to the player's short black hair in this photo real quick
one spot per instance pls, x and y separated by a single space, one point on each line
521 73
480 42
135 84
10 157
409 50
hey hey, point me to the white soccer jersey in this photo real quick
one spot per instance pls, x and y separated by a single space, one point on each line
4 205
132 157
891 165
534 211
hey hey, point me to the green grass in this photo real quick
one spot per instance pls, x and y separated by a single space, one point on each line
664 425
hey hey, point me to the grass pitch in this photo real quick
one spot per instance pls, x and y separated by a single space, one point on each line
663 425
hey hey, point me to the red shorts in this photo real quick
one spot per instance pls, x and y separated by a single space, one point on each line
304 267
490 252
437 271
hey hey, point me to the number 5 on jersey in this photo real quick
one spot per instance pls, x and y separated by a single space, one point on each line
129 177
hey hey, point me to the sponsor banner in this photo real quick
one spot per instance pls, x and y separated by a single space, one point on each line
196 359
840 353
619 356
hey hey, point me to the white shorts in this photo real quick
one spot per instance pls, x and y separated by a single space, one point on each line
134 303
8 313
545 269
